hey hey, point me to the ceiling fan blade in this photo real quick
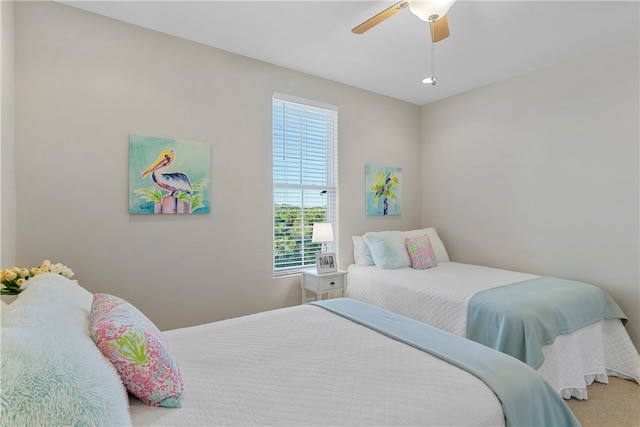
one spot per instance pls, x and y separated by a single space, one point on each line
375 20
439 29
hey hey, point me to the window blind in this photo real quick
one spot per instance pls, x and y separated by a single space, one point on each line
305 179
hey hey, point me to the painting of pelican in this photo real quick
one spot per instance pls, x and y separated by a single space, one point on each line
172 182
179 172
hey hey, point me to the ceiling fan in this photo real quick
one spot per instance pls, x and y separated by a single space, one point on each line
432 11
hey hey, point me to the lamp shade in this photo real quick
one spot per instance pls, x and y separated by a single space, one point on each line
430 10
322 232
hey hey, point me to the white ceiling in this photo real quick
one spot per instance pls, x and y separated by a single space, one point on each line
490 40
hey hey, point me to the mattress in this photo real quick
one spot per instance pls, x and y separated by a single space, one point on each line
439 296
306 366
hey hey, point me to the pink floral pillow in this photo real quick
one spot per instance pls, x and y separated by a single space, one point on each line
137 349
420 252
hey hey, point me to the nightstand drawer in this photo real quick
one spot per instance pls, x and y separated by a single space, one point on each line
331 283
322 284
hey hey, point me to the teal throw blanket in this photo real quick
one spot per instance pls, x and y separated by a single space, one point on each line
520 318
527 400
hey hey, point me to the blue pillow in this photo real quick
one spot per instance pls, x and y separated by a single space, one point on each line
388 249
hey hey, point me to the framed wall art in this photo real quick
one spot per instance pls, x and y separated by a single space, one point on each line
168 176
383 192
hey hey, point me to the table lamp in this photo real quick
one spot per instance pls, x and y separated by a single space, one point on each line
322 233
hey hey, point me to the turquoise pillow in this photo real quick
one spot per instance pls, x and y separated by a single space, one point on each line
388 249
52 373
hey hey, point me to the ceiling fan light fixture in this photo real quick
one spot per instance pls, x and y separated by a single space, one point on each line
430 10
431 80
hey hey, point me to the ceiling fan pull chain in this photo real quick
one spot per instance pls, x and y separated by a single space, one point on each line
433 63
432 79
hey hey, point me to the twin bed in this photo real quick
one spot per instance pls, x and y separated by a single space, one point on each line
337 362
441 296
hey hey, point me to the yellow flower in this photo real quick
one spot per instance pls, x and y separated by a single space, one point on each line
11 279
9 275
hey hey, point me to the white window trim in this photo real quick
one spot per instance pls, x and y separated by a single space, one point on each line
332 205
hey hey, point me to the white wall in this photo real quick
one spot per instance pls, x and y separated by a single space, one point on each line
85 82
540 173
7 179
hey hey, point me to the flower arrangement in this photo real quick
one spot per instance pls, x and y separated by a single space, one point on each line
13 278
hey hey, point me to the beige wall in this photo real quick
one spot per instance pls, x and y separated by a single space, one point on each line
85 82
540 173
7 179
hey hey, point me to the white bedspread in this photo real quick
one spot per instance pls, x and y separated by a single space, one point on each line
439 296
306 366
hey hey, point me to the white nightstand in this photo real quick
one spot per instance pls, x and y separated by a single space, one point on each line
323 283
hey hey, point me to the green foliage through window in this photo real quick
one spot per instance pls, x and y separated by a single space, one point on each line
293 226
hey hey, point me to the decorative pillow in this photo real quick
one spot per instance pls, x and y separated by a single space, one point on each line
361 254
387 249
137 349
420 252
52 373
436 243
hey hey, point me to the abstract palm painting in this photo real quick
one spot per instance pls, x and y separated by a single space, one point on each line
383 190
168 176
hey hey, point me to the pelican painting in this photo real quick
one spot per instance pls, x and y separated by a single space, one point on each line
172 182
173 190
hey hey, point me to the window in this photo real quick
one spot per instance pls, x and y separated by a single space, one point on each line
305 179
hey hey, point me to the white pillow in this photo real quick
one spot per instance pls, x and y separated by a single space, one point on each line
52 373
387 249
436 243
361 254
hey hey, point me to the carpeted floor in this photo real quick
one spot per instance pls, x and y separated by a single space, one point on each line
616 404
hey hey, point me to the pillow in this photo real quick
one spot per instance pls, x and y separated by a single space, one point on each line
387 249
420 252
436 243
361 254
137 349
52 373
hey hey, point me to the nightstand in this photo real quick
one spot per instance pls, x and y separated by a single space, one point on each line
321 284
